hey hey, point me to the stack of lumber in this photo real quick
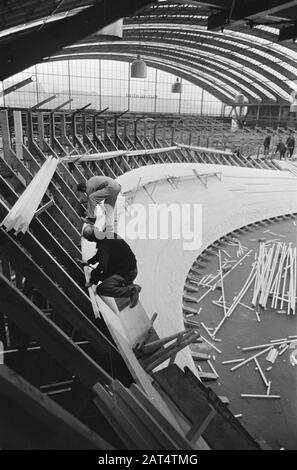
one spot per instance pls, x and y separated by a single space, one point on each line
23 211
276 276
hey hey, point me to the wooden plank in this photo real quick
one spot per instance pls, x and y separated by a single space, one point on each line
53 268
65 196
44 234
118 419
207 376
193 399
198 428
161 437
29 419
120 337
171 352
30 319
198 356
59 218
155 413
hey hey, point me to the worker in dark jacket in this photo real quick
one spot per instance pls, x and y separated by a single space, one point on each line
290 145
267 141
281 148
98 189
117 268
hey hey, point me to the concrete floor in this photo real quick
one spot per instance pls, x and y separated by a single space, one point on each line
273 420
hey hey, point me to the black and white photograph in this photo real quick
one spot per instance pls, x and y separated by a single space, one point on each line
148 229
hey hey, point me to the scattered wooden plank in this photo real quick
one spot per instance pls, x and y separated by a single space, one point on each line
246 361
212 345
246 395
272 355
198 356
207 376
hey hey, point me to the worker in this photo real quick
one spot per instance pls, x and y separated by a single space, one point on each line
267 141
281 148
290 145
98 189
117 268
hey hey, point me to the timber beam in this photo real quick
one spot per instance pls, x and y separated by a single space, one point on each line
30 420
52 266
64 306
30 319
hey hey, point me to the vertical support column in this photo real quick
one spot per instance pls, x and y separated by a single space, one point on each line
115 130
172 135
135 131
279 115
105 129
129 88
258 115
202 97
5 134
69 83
125 129
156 89
52 129
100 85
73 128
84 127
180 96
63 129
18 132
94 128
41 134
29 128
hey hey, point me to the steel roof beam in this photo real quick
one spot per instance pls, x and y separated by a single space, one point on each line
204 36
236 27
43 42
171 39
244 10
208 86
196 51
180 59
225 54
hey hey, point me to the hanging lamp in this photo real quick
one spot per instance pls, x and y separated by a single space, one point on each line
176 87
138 68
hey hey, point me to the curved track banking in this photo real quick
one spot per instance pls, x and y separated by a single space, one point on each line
242 196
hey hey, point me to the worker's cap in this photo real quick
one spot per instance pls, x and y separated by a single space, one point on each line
88 231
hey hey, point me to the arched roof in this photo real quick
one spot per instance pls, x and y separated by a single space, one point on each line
226 46
175 35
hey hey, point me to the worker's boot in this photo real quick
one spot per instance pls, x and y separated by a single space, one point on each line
134 295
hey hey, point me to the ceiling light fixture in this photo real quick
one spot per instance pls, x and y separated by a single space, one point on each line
176 87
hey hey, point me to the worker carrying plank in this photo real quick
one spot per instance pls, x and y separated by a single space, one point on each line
117 268
98 189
